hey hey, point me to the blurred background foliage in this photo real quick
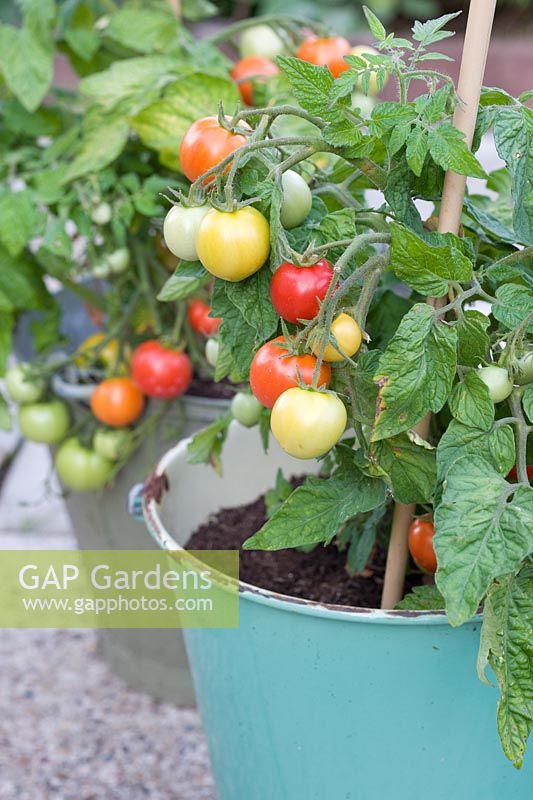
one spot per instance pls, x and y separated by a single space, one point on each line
342 16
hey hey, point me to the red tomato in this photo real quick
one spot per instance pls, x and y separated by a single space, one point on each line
296 291
421 533
255 67
513 474
204 145
159 371
199 319
272 372
117 402
326 52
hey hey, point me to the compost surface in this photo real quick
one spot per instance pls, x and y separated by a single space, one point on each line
319 575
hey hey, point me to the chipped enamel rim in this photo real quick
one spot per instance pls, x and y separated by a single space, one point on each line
274 599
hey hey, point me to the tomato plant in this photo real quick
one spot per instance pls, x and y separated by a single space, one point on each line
205 144
81 469
233 245
250 70
296 292
44 422
421 533
327 52
436 392
159 371
200 320
523 369
307 423
117 402
273 371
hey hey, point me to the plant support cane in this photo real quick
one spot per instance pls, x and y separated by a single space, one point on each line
474 57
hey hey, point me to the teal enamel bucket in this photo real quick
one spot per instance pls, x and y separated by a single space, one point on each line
311 702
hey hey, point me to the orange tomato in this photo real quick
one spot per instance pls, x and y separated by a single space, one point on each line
117 402
253 67
206 144
327 52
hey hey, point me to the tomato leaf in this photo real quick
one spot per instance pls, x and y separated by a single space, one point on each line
162 124
415 372
513 134
472 338
422 598
375 25
252 297
482 531
143 30
206 446
185 281
470 402
17 213
312 86
507 646
449 151
496 446
417 149
515 304
100 146
430 32
237 337
27 54
426 268
410 464
316 510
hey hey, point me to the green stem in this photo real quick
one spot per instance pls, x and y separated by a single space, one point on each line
269 19
521 433
277 111
146 285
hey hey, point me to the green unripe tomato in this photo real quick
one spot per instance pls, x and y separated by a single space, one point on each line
46 423
101 270
21 388
297 199
101 214
261 40
246 409
211 351
81 469
114 445
498 382
523 369
180 230
119 261
364 102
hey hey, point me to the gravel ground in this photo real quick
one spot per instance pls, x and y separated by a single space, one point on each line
70 730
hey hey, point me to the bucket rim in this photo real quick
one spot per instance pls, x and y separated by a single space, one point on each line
150 502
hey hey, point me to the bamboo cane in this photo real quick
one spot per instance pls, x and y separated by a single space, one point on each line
175 5
474 57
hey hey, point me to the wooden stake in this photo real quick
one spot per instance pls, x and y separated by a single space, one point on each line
474 58
175 5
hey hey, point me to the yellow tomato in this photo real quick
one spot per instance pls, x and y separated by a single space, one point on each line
348 336
233 245
360 50
106 355
307 423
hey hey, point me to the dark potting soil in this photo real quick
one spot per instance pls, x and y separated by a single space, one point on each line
224 390
320 575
